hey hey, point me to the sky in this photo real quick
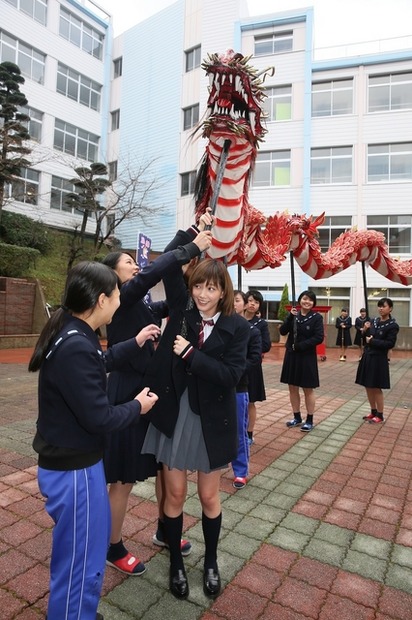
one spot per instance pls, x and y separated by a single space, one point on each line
336 22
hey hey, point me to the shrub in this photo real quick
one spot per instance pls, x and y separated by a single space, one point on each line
20 230
15 261
284 301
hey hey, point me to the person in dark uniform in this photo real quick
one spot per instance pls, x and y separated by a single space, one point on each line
240 465
123 461
343 324
202 354
300 364
359 325
373 370
256 385
74 415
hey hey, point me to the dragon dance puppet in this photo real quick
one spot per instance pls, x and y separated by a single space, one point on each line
242 234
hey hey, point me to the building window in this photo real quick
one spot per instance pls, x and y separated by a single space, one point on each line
274 43
75 141
401 302
30 61
337 297
397 231
193 58
278 105
117 67
390 162
272 169
332 227
332 98
115 120
190 117
188 182
36 9
331 165
60 188
25 187
78 87
81 34
34 125
390 92
112 171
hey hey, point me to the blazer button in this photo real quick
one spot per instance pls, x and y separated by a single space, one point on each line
220 398
225 422
167 390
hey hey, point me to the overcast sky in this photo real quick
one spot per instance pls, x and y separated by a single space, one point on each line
336 21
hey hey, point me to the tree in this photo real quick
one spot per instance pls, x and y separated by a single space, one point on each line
90 185
13 132
284 301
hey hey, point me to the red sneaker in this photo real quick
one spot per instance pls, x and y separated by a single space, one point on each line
239 483
130 565
370 416
376 420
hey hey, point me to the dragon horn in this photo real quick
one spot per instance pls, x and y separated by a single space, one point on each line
265 72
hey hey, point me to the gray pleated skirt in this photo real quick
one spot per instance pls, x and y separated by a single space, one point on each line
186 449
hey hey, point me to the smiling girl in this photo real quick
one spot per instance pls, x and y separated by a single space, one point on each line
202 355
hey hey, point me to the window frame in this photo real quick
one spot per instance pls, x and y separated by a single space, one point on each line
334 158
333 87
75 141
193 58
271 163
38 9
187 183
19 51
271 44
190 116
81 34
77 84
393 157
115 120
388 228
271 102
391 86
117 67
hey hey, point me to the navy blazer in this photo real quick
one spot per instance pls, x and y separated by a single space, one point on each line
210 374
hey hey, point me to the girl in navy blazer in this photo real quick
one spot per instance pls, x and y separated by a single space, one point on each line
74 415
195 425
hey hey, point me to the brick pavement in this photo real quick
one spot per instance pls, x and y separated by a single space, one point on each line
323 529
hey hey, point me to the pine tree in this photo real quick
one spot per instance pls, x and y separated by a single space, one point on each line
284 301
13 132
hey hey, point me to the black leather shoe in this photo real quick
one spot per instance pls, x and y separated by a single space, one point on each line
179 585
211 582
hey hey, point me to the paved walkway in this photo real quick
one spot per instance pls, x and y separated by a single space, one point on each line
323 529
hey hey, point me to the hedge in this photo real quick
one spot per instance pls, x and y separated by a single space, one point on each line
15 260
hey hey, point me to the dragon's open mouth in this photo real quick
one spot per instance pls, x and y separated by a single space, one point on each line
235 95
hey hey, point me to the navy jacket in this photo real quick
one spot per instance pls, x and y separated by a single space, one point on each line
210 374
74 410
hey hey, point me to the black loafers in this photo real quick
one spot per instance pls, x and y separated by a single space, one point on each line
179 585
211 582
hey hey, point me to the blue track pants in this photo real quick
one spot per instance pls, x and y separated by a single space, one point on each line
77 501
240 465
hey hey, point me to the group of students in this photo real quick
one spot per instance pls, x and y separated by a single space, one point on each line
183 405
300 368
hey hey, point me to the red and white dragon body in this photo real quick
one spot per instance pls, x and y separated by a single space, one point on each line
242 234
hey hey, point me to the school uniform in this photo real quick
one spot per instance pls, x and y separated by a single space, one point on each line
123 459
200 390
359 323
74 415
344 338
373 368
240 464
256 386
300 364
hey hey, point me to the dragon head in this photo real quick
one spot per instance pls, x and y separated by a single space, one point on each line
235 96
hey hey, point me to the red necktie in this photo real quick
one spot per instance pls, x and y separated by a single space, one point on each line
202 332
